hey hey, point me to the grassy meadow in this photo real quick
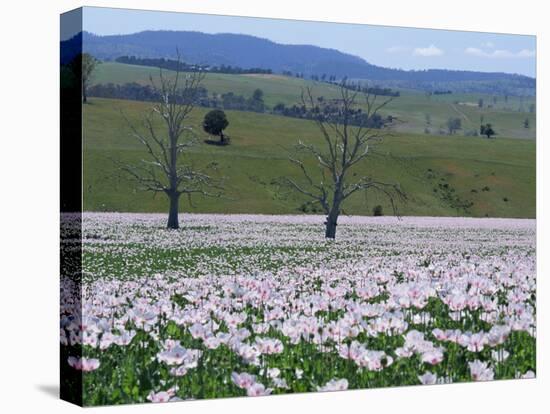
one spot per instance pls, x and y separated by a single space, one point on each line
497 175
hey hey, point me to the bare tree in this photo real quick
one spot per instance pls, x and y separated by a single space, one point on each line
165 171
453 125
347 140
83 66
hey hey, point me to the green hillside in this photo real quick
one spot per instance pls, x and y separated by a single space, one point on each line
498 175
507 115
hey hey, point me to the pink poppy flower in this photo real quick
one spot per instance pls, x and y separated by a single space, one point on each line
432 357
480 371
257 389
83 364
269 346
334 385
161 396
243 380
428 378
473 342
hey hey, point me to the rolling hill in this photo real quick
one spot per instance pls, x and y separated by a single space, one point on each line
411 108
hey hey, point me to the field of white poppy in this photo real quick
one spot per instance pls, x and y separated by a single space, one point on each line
240 305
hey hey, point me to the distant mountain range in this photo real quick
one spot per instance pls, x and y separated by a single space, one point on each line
248 51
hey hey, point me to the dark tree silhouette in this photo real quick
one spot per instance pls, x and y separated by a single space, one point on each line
453 125
344 147
85 65
487 130
215 122
256 102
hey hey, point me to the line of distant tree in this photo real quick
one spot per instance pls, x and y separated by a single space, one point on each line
515 86
169 64
511 87
134 91
354 86
372 90
323 78
329 109
230 100
376 90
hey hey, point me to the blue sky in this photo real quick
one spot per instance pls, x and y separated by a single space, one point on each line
396 47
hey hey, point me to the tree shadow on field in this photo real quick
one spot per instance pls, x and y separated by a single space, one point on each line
51 390
217 142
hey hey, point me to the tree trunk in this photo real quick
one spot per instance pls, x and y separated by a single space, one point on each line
222 138
173 222
334 212
330 230
84 90
332 221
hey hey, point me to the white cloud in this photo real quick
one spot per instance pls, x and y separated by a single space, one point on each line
526 53
429 51
488 45
500 53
